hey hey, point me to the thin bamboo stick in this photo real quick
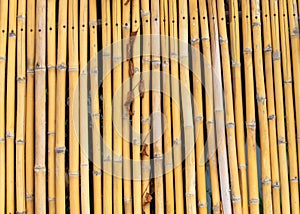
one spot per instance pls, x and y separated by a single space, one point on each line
30 107
51 61
3 43
218 106
250 108
156 108
10 109
60 111
176 122
283 164
166 89
40 106
83 95
289 109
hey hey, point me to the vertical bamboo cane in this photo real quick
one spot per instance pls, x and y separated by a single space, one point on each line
156 108
40 106
283 165
51 61
30 107
218 107
250 108
117 107
198 106
84 126
60 110
3 43
166 89
289 109
10 109
176 122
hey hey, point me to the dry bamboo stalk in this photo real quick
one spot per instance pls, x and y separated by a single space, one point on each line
176 122
283 164
218 107
117 107
198 106
60 110
209 102
271 105
3 43
95 111
10 109
21 100
289 109
51 61
250 108
166 89
107 107
126 118
156 108
238 99
40 106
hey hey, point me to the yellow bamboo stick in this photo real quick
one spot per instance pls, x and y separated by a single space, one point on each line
40 106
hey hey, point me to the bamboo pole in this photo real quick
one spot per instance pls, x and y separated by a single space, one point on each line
30 107
51 61
40 106
117 107
283 164
166 89
218 107
95 111
3 43
10 109
156 108
83 120
289 109
250 108
60 111
176 122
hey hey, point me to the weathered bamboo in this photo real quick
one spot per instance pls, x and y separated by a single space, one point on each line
250 108
283 164
218 106
166 89
176 122
107 106
60 114
51 64
95 111
117 107
40 106
289 109
3 43
10 109
198 106
156 108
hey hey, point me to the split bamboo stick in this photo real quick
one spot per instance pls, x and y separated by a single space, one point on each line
218 106
83 120
60 114
117 107
156 108
95 111
250 108
3 43
166 90
280 114
51 61
176 121
289 109
10 109
30 107
40 106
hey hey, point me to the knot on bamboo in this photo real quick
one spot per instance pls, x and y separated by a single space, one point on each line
29 71
235 199
268 49
260 99
95 115
12 34
281 140
198 118
223 41
2 140
51 199
294 179
254 201
201 205
276 55
190 194
38 169
288 82
266 181
2 58
61 66
20 141
247 51
10 135
144 13
230 125
216 208
251 125
127 200
60 150
21 79
195 40
20 212
73 174
20 17
235 64
29 197
272 117
256 24
242 166
276 185
97 172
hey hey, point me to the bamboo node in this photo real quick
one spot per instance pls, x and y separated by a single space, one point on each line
272 117
145 59
230 125
51 67
298 138
165 63
60 150
97 172
200 205
256 24
125 116
73 69
254 201
173 55
216 208
20 212
268 49
260 99
126 26
190 194
281 140
248 51
95 115
73 174
223 41
136 142
2 58
12 34
61 66
51 133
2 140
198 118
21 79
37 69
30 71
20 17
51 199
210 122
295 179
242 166
195 40
205 38
286 82
118 160
84 164
10 135
94 71
156 62
266 181
146 167
235 64
127 200
235 199
158 157
29 197
276 55
107 159
143 13
20 141
177 142
251 125
294 35
93 23
276 185
168 164
39 169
